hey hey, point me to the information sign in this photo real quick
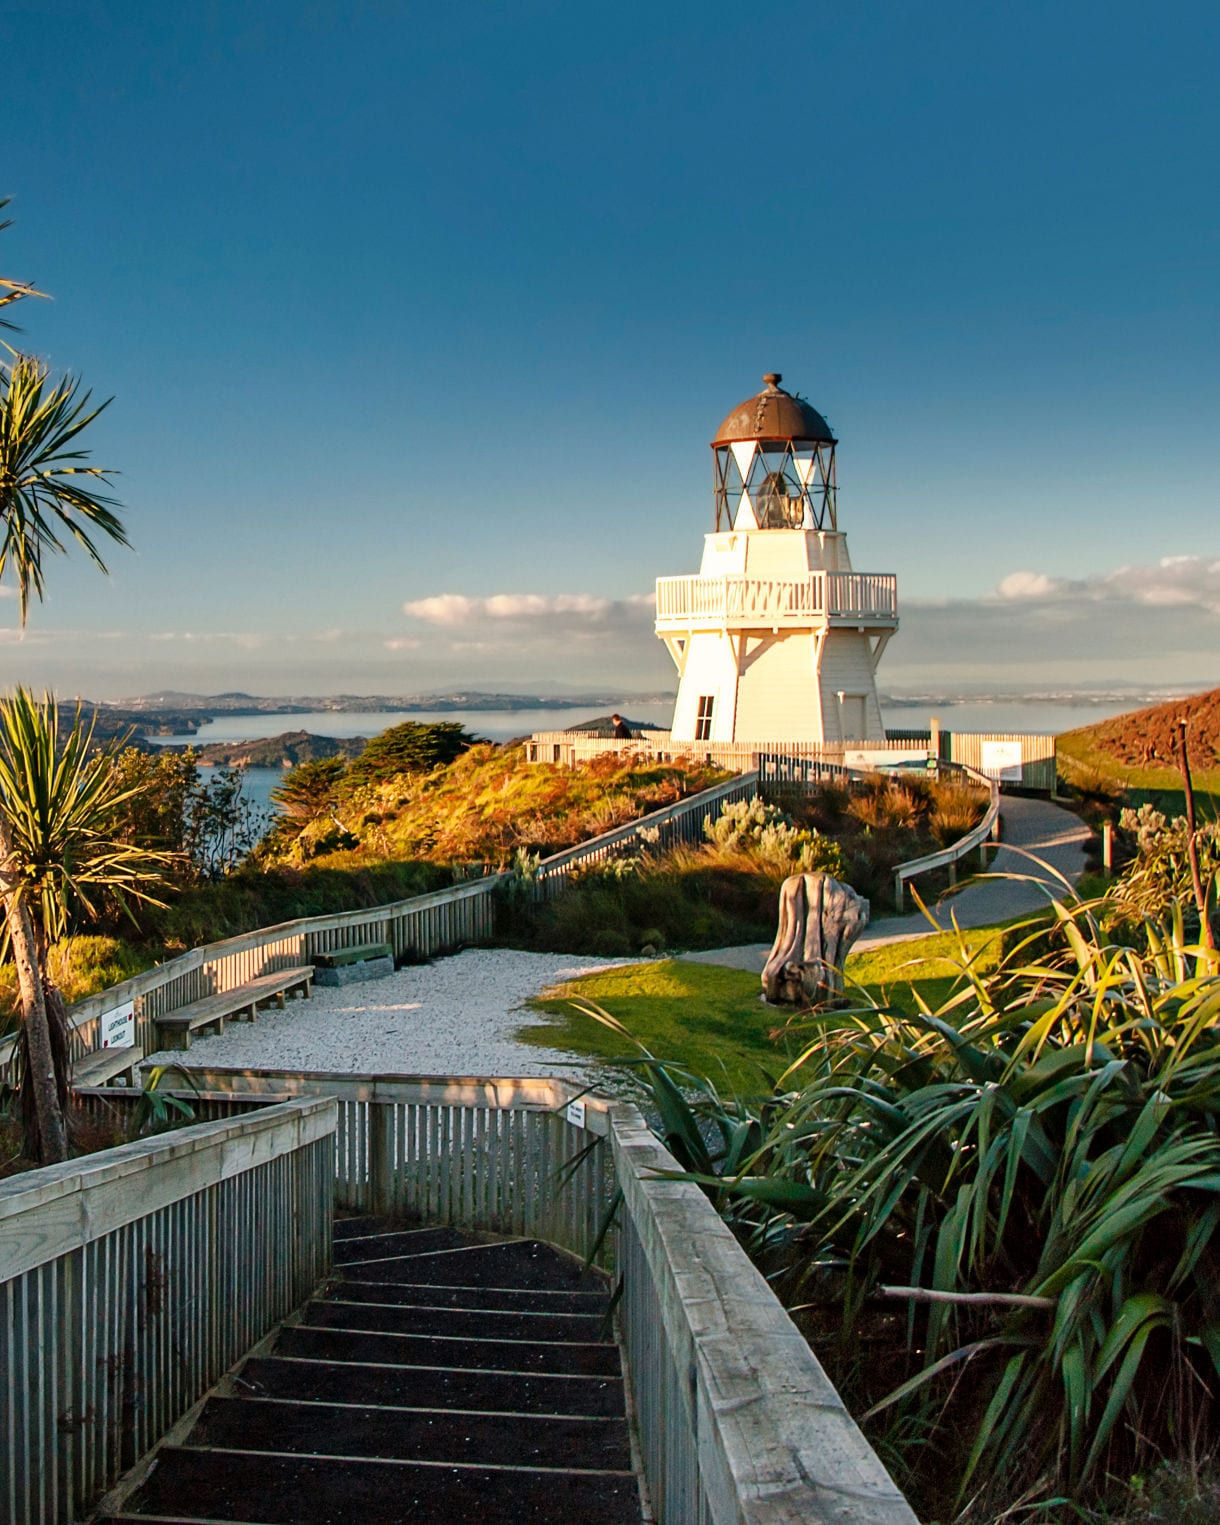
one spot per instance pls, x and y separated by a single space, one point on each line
118 1027
575 1113
1001 760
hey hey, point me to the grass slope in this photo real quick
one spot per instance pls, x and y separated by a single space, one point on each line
1135 751
712 1019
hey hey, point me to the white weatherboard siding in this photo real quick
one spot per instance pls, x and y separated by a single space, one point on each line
779 633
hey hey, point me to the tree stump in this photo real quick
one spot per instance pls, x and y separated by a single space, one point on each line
819 919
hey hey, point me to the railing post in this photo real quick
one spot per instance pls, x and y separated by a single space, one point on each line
381 1163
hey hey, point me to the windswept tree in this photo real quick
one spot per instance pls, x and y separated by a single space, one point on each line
64 802
47 500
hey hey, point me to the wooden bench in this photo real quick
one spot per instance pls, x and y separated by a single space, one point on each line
363 961
97 1069
337 957
174 1030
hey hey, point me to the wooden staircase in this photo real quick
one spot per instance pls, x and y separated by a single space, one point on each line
444 1376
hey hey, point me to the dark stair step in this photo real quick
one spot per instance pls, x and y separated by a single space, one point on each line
428 1387
364 1223
498 1299
258 1424
522 1263
295 1490
452 1322
577 1359
416 1241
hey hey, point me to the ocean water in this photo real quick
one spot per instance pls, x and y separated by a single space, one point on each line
1002 714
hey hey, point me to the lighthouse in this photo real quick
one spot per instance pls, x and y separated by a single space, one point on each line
777 639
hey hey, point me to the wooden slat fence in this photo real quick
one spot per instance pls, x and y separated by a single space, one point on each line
681 822
417 928
1037 756
988 829
131 1280
568 748
737 1420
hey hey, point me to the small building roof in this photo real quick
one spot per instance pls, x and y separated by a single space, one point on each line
774 415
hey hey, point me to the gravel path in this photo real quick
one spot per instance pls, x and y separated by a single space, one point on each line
454 1017
1029 826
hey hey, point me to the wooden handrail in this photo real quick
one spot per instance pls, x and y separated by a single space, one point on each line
987 827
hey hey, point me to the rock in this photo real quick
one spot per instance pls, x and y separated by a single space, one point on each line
819 919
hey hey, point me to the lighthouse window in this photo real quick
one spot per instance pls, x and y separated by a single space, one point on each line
703 725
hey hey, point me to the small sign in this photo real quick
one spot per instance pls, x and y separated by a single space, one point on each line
118 1027
1001 760
868 758
575 1113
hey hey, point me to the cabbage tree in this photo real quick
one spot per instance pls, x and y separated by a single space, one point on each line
47 500
64 807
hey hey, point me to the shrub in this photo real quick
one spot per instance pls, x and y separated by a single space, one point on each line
1042 1154
764 830
1160 872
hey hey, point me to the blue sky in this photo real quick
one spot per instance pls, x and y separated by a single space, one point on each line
399 302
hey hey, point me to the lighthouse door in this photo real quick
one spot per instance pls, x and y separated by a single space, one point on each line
853 717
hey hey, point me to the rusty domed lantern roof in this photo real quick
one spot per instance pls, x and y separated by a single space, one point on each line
774 415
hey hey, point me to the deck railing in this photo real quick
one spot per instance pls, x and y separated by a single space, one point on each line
737 1421
987 830
415 928
681 822
131 1280
774 602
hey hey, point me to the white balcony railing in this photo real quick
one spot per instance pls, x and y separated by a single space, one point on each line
849 597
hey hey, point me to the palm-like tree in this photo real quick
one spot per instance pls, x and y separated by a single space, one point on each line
45 499
63 804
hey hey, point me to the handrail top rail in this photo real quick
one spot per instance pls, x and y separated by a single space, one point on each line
537 1093
963 845
617 834
57 1209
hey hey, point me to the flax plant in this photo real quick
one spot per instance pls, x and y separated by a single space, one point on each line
997 1219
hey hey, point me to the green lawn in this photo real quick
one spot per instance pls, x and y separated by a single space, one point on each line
712 1019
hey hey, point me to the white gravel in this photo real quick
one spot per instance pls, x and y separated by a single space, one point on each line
454 1017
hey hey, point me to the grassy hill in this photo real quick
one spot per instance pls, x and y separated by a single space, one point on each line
1134 752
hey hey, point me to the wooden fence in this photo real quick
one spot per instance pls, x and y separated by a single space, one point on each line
737 1422
1036 762
417 928
1037 757
988 829
131 1280
683 821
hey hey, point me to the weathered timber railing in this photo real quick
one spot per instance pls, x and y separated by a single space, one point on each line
415 928
987 829
738 1423
131 1280
683 821
771 602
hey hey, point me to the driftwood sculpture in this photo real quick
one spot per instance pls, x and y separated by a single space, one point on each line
819 919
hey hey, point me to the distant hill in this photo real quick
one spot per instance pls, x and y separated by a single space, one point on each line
1144 738
1135 750
283 751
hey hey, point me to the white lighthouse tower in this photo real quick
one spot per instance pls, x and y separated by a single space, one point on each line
777 639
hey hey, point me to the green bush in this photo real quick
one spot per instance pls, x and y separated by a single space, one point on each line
1041 1151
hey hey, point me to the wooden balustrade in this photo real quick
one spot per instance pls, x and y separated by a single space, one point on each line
131 1280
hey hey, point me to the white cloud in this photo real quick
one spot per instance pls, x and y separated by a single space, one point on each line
456 609
1171 582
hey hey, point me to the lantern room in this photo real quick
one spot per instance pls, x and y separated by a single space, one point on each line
774 464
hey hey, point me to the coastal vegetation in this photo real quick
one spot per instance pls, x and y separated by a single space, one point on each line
993 1206
50 497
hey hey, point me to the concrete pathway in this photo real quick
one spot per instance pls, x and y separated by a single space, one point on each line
1030 828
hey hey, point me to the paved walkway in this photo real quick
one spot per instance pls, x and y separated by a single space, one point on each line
1028 827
